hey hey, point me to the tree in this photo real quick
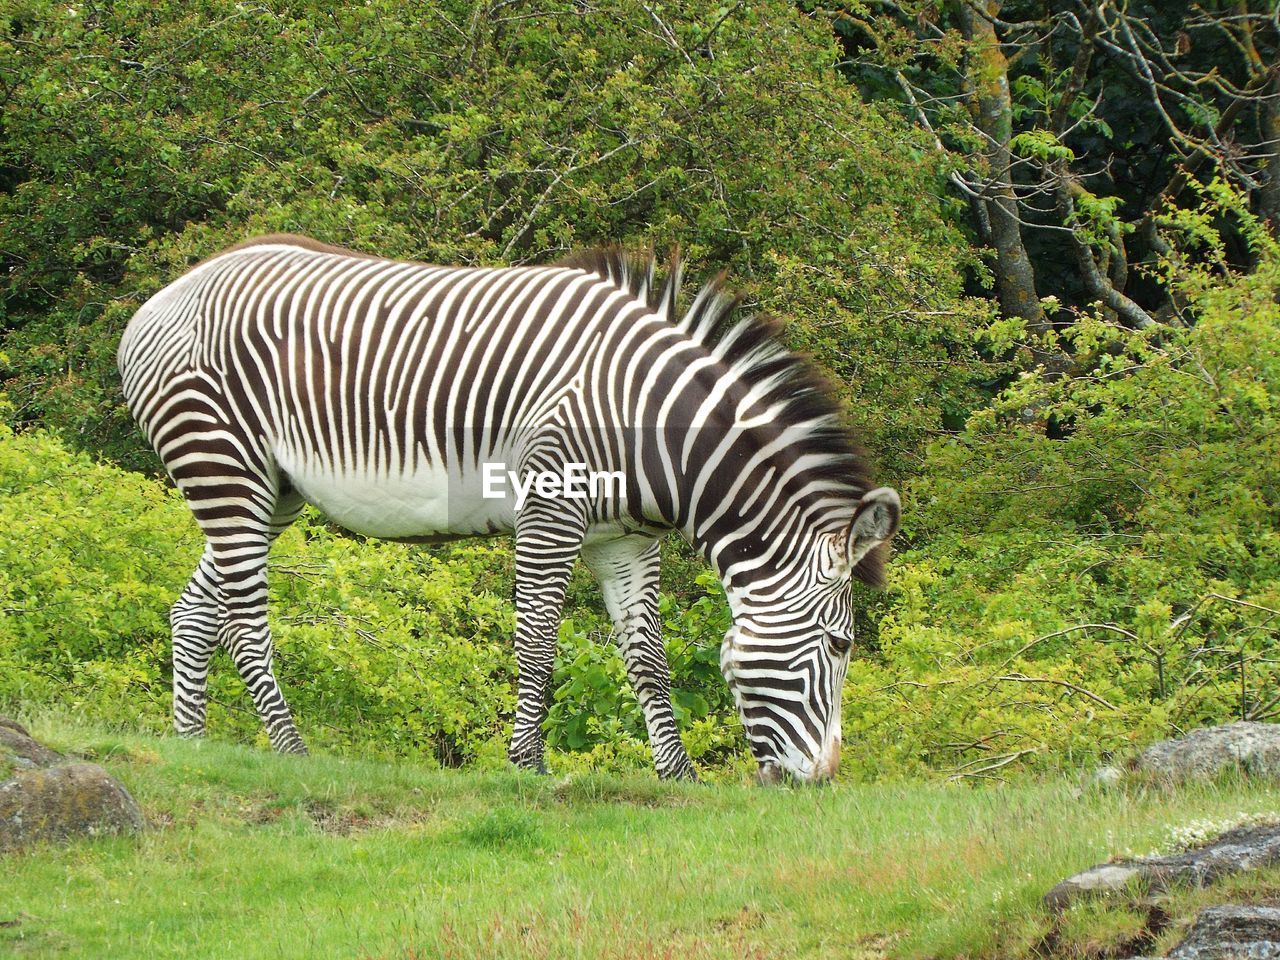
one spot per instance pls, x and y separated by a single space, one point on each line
1075 124
1072 596
137 137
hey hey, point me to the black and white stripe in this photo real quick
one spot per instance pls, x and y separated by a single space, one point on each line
284 371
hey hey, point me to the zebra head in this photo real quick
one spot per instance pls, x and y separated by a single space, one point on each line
743 446
786 654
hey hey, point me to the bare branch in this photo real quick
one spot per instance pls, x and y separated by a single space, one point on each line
1021 678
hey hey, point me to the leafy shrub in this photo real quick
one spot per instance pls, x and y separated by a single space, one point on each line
594 707
1063 594
1065 598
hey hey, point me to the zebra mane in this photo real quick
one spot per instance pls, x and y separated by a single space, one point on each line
752 347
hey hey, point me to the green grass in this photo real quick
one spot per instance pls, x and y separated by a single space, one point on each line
254 855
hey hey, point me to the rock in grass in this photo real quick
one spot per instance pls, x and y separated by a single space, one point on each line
1103 880
1232 933
22 752
1104 778
61 803
1238 850
1251 748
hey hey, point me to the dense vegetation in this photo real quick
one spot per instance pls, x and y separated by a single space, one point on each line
1102 588
392 650
1090 558
139 137
1073 125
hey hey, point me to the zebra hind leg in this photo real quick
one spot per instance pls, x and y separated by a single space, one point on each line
627 570
241 514
247 637
195 623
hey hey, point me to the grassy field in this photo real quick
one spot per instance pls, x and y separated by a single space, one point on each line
254 855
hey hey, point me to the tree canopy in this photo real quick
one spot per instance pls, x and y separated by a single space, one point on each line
138 137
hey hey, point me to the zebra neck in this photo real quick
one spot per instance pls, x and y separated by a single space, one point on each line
739 485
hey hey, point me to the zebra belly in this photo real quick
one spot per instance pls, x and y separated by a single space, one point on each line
426 502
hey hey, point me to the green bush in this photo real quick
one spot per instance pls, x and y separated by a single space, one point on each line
1064 594
594 707
1090 562
1071 597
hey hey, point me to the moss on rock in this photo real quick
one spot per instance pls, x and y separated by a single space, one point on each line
61 803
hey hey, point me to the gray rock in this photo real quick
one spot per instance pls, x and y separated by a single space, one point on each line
60 803
1102 880
1238 850
1253 748
1104 778
15 726
1232 933
21 752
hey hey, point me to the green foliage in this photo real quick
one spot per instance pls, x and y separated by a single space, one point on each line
1096 219
1064 594
87 573
1091 559
1037 99
137 137
1040 145
594 709
1071 597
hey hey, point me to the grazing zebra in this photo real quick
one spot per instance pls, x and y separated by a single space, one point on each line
415 402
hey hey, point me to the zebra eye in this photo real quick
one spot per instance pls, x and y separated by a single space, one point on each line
839 643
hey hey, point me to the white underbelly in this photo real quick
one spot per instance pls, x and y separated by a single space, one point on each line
423 502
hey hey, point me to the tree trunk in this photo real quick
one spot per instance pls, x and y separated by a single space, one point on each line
1097 282
987 72
1269 194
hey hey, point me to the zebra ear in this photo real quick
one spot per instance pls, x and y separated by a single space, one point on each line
874 522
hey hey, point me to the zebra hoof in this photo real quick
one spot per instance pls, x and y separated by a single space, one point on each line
680 775
532 764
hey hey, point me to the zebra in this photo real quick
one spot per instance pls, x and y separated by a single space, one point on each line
284 371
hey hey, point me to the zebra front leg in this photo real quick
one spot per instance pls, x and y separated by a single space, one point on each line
547 542
627 570
195 622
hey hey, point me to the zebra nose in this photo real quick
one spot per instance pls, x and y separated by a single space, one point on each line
829 762
768 774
